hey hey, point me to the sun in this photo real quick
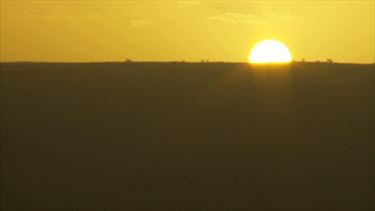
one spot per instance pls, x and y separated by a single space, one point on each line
270 51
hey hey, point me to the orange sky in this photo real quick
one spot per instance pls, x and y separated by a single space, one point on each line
170 30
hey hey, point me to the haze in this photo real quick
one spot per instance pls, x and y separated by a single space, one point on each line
80 31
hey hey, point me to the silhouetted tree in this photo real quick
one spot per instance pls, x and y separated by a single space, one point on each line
329 61
128 60
303 60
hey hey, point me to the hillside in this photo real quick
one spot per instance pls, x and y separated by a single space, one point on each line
187 136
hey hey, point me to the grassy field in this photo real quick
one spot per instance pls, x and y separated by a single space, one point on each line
187 136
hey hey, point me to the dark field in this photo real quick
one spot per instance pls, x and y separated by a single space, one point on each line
187 136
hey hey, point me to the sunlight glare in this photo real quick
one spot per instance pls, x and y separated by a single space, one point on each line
270 51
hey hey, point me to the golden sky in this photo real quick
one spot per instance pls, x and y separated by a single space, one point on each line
174 30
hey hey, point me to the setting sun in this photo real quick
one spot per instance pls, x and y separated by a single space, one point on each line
270 51
187 105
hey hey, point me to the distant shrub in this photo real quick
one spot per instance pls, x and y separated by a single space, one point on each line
329 61
303 60
128 61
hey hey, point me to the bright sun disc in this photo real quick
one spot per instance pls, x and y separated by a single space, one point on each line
270 51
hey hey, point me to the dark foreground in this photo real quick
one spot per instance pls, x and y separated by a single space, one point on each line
182 136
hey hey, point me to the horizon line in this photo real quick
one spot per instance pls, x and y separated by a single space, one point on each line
180 61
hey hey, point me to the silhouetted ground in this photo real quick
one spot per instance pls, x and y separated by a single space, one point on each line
187 136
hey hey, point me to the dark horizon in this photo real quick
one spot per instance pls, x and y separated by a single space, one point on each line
183 136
